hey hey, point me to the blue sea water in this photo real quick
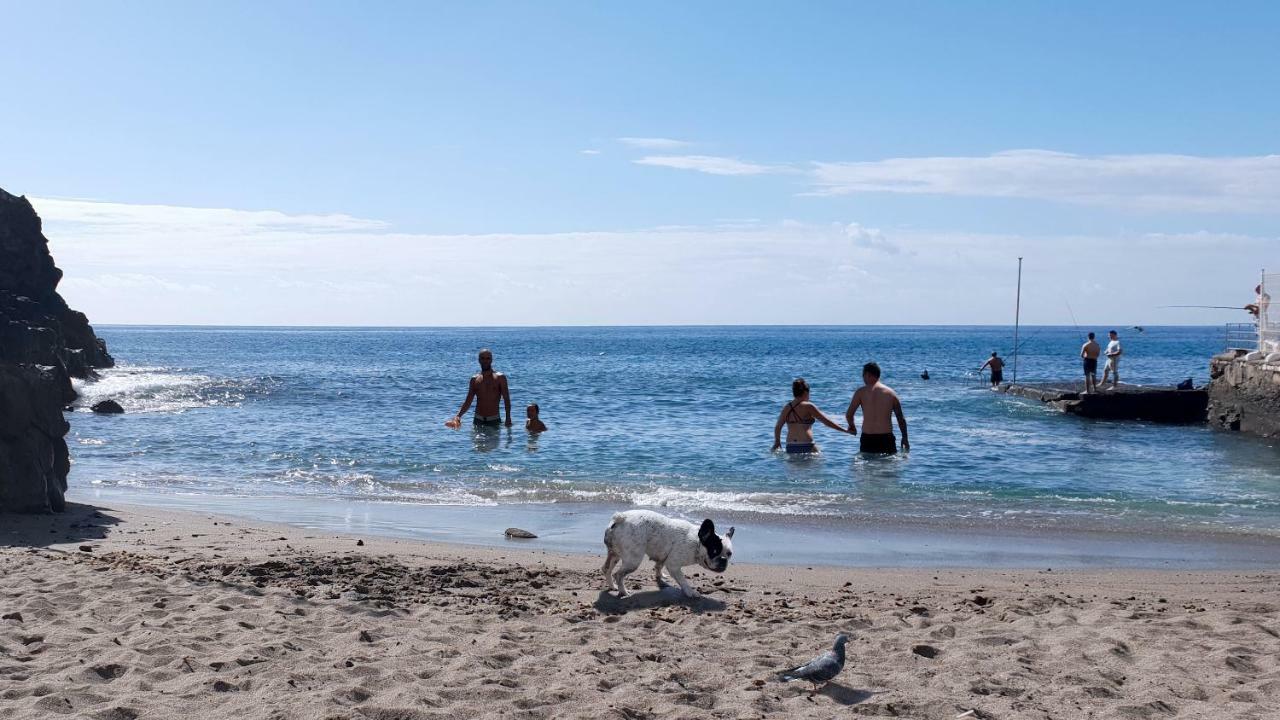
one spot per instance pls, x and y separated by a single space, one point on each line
680 418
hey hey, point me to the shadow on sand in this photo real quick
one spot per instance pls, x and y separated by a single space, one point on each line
845 695
77 523
609 604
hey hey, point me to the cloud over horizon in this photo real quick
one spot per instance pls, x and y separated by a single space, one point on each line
181 265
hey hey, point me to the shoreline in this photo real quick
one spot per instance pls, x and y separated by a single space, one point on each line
762 538
138 612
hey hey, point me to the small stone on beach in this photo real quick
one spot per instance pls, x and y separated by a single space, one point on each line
512 532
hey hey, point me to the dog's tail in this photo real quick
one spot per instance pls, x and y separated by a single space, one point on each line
608 533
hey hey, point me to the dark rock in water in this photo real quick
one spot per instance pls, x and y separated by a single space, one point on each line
43 344
518 533
107 407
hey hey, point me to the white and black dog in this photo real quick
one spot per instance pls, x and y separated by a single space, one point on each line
670 542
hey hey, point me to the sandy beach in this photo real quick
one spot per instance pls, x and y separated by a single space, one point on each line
128 612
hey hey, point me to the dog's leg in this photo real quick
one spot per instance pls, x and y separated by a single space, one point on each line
657 574
610 560
628 566
678 576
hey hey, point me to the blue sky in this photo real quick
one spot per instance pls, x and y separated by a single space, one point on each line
565 163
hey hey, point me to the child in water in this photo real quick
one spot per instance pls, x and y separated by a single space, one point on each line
533 424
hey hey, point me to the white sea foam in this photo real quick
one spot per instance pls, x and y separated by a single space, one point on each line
148 389
760 502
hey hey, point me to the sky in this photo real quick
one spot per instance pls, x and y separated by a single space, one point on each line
558 163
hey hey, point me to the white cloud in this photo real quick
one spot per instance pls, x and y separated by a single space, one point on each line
132 281
589 152
157 264
1148 182
654 143
709 164
1140 182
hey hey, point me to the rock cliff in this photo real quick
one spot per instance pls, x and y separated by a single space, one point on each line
43 344
1244 395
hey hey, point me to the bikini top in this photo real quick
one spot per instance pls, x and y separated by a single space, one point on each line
791 413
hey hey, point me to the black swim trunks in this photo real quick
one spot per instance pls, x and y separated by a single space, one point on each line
1091 366
880 444
997 377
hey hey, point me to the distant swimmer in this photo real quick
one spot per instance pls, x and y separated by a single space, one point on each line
1112 368
533 424
1090 352
997 368
879 403
799 416
487 388
924 375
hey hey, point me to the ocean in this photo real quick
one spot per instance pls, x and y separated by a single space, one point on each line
674 418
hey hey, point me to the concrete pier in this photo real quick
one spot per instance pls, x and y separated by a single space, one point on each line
1127 402
1244 395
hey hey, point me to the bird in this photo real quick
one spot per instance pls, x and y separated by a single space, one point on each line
822 669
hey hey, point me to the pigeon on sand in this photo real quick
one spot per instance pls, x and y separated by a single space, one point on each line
822 669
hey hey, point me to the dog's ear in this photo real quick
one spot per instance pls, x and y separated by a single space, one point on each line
707 530
730 533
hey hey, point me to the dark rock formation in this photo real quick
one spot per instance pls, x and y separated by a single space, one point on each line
1127 402
43 344
107 407
1244 396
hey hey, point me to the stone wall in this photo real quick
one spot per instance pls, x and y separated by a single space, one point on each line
1244 396
43 344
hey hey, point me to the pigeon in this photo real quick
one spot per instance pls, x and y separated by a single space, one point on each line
822 669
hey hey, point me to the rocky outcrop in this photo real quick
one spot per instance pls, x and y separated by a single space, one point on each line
107 407
1244 395
43 344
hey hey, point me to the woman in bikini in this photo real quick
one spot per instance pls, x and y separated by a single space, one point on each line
799 416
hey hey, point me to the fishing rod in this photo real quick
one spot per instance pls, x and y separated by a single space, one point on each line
1209 307
1073 318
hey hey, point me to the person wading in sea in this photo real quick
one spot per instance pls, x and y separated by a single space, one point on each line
486 388
799 416
878 402
997 368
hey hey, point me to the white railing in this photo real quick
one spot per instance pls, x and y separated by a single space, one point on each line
1268 331
1242 336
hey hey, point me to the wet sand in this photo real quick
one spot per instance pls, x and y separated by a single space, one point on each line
129 612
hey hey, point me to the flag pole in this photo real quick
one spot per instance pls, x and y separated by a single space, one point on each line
1017 317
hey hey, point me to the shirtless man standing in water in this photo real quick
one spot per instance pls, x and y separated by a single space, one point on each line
878 403
487 387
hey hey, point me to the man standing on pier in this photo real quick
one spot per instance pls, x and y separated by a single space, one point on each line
878 403
486 389
1090 353
1112 368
